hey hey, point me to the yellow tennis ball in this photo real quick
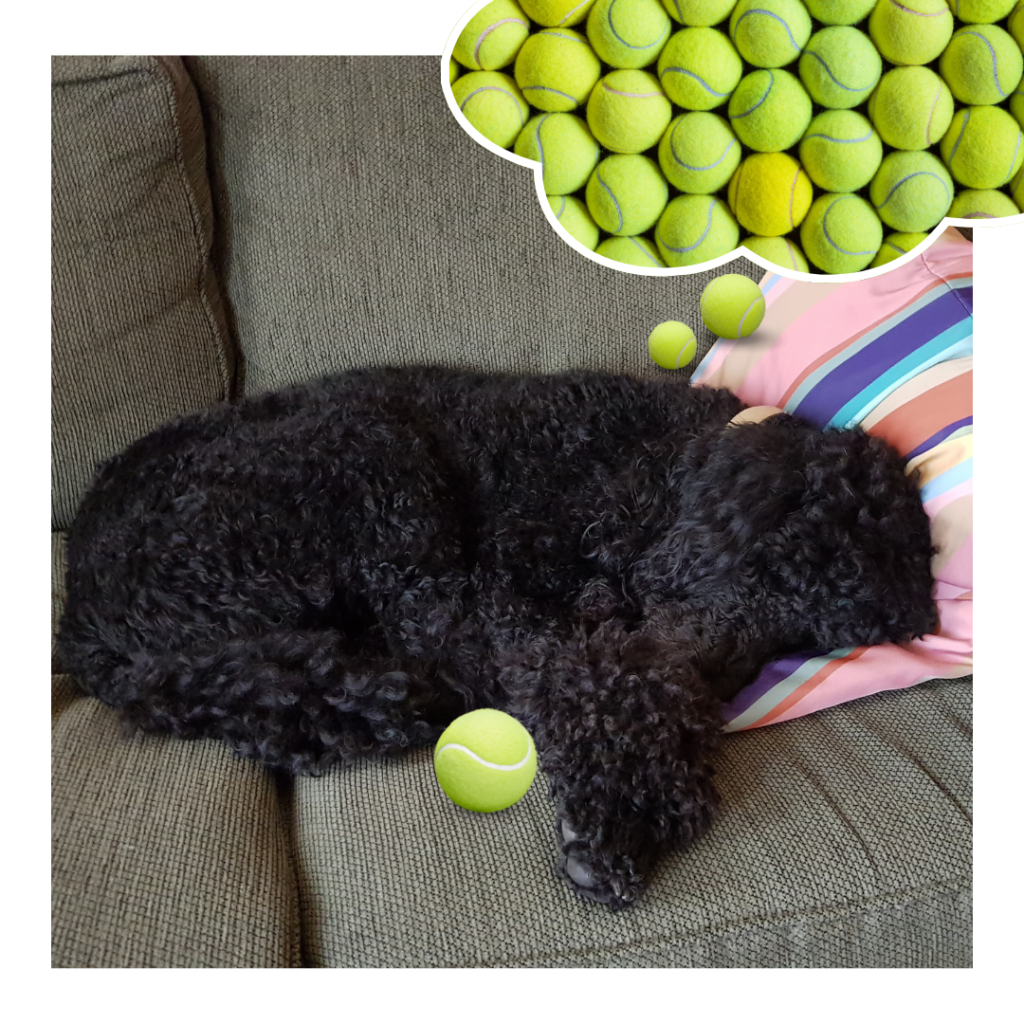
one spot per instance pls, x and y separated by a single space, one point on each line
565 149
840 151
778 250
770 33
699 152
1015 23
453 70
839 12
770 193
557 13
982 64
695 229
732 306
1017 189
980 12
983 204
626 194
841 233
911 108
911 31
492 37
636 251
628 111
556 69
983 147
840 67
699 13
1017 106
911 191
769 110
896 245
485 761
672 345
493 105
628 33
573 215
699 68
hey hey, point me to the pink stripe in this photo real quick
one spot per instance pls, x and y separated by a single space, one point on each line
932 507
959 567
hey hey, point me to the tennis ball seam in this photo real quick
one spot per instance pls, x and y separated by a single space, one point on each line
615 201
690 248
770 14
828 71
489 764
491 88
643 250
691 167
992 51
491 28
906 178
633 46
695 77
771 83
831 241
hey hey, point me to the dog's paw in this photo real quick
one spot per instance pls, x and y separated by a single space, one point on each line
596 875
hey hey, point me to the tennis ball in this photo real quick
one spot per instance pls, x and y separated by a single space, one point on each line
453 70
557 13
770 193
983 147
695 229
698 153
573 215
626 194
485 760
636 251
839 12
1015 23
493 105
769 110
780 251
628 33
699 68
672 345
911 31
897 245
566 150
982 64
731 306
492 37
628 112
982 204
1017 106
556 69
911 108
911 191
841 234
840 151
1017 190
840 67
770 33
980 12
699 13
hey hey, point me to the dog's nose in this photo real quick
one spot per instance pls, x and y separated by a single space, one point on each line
579 872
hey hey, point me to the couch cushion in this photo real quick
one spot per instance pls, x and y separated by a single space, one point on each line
845 840
138 332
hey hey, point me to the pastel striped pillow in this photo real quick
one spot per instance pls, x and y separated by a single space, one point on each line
892 354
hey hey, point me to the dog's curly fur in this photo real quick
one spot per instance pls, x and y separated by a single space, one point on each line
342 568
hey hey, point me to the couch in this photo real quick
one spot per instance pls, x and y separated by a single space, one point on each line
222 226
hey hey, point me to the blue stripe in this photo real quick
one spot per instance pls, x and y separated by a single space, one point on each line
947 481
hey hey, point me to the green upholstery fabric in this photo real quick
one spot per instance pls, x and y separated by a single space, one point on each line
138 332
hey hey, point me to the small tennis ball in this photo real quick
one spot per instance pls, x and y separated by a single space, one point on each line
1015 24
980 12
911 191
840 67
557 13
770 194
556 69
628 33
574 216
780 251
695 229
453 70
911 31
983 148
769 110
982 204
699 13
982 64
628 112
840 151
699 152
770 33
493 105
565 149
699 68
626 194
1017 190
672 345
911 108
636 251
841 234
492 37
897 245
732 306
840 12
485 761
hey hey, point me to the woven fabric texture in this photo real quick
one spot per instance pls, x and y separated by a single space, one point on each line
138 331
365 227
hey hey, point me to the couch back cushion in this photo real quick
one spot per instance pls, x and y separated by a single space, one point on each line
138 330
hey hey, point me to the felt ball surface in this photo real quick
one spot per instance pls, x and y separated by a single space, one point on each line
910 31
628 111
1017 106
770 194
574 216
699 68
628 33
839 67
557 13
911 191
700 13
840 151
626 194
982 64
1015 23
454 70
493 105
565 149
783 252
492 37
770 33
699 152
982 204
672 345
1017 189
635 252
839 12
695 229
896 245
732 306
485 761
980 12
556 69
983 147
841 233
911 108
769 110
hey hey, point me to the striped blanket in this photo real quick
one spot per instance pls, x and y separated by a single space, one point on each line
892 354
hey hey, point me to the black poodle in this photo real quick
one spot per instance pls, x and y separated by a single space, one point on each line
343 567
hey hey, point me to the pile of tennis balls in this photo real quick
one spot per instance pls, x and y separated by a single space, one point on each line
835 133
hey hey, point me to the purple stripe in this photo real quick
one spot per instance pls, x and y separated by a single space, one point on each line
771 675
940 436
